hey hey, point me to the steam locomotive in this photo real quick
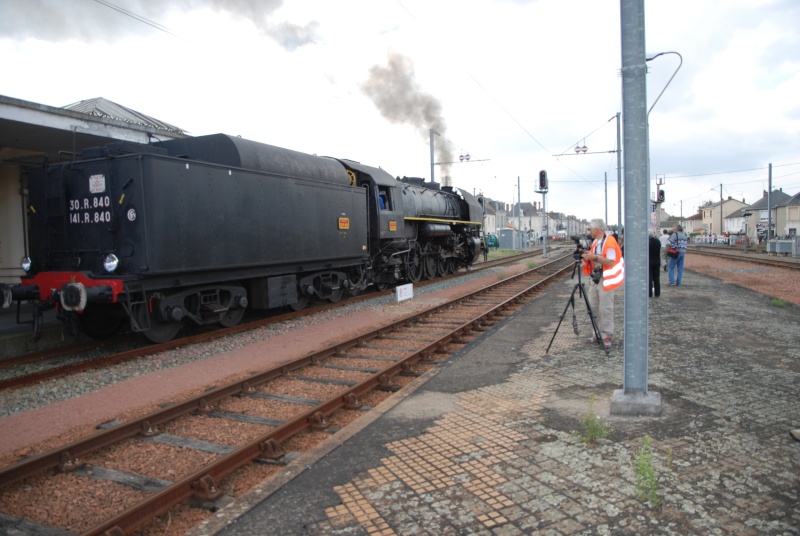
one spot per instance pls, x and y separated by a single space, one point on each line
201 229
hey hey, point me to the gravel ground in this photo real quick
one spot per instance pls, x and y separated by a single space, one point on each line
774 282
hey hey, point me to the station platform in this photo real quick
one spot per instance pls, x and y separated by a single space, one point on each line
489 443
17 338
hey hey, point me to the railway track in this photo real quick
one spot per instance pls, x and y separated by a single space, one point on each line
189 451
757 258
71 365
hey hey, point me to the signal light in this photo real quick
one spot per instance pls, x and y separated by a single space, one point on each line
661 196
543 180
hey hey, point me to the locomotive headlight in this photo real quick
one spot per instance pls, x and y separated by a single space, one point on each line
26 264
110 263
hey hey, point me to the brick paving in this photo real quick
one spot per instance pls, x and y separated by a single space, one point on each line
503 455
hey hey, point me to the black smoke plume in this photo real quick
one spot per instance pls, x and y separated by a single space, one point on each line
399 99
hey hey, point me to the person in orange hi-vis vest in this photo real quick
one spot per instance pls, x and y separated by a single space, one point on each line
604 263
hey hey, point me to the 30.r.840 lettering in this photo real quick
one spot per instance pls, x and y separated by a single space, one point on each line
87 203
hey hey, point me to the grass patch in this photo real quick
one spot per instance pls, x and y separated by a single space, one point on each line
646 478
594 427
777 302
500 253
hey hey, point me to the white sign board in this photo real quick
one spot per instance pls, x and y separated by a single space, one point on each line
404 292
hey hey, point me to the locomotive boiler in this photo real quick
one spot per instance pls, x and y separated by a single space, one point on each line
201 229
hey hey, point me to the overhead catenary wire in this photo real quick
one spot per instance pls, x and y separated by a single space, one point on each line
732 171
139 18
613 117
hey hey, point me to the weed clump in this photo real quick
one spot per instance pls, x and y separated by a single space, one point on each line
777 302
594 427
646 478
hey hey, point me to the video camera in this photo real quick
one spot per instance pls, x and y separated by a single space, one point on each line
580 248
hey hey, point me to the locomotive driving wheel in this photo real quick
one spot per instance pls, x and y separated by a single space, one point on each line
452 265
442 266
414 264
429 260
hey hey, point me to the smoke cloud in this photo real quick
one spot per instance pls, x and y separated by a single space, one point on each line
399 99
106 21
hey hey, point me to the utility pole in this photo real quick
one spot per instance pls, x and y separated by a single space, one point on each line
634 398
769 207
619 179
605 187
519 214
432 164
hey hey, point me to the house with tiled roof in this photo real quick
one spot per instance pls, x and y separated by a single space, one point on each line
739 222
762 214
691 225
714 215
787 217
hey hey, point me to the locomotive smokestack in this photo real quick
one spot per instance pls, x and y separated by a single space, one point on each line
399 99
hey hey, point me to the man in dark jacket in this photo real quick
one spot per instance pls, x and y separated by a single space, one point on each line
654 279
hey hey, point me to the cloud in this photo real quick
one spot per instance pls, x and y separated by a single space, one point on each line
109 21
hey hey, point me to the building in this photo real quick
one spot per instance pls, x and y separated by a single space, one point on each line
714 215
761 214
788 217
691 225
738 222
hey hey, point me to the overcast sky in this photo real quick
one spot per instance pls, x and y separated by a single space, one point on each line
511 83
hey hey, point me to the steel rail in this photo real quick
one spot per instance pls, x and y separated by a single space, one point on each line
743 257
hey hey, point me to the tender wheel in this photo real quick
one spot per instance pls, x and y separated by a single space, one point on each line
232 317
429 261
381 286
101 322
356 278
300 304
336 295
159 331
414 265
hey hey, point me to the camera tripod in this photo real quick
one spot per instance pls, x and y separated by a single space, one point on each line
581 290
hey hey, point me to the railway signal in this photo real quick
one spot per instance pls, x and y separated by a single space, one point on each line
543 180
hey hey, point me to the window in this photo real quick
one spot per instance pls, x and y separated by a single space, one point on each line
384 200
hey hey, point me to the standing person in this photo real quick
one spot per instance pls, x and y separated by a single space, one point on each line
654 279
604 263
679 241
664 239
